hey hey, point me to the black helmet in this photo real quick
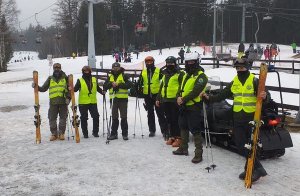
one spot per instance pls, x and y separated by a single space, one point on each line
116 64
241 62
171 59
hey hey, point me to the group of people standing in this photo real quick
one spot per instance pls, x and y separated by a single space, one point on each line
175 95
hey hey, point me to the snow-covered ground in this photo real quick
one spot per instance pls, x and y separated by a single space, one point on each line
140 166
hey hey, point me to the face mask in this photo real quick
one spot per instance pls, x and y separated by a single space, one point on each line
171 68
149 66
86 75
242 73
189 69
56 73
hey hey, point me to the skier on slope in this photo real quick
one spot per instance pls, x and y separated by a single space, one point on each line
166 98
243 89
59 100
87 100
193 83
118 84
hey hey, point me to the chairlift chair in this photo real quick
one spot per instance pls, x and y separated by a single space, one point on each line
57 36
24 41
38 40
267 17
248 14
112 27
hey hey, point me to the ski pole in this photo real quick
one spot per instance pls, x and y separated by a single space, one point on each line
205 136
138 103
213 166
68 125
107 125
103 118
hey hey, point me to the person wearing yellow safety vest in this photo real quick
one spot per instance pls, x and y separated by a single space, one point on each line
87 100
243 90
149 83
118 84
193 83
166 99
59 100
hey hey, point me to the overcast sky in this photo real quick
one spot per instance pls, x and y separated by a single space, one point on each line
30 7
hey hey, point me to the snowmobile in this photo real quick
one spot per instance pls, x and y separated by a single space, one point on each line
274 137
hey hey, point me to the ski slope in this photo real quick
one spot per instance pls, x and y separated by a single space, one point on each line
139 166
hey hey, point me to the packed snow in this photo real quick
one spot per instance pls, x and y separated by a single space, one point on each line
139 166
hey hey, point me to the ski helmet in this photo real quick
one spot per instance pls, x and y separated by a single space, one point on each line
193 56
171 59
241 62
149 59
115 65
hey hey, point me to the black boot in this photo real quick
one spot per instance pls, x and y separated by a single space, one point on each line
114 129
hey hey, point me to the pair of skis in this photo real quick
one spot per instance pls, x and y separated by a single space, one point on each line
37 116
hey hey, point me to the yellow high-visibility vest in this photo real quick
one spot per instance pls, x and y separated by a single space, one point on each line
188 88
244 97
154 83
86 97
121 93
170 90
57 89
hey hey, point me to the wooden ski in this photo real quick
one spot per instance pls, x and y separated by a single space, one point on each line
75 117
37 117
256 126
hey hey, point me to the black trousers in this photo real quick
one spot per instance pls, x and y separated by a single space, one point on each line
242 134
172 112
93 109
149 106
119 106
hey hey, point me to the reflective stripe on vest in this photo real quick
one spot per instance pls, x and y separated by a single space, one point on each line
154 84
121 93
188 88
85 97
57 89
244 97
170 90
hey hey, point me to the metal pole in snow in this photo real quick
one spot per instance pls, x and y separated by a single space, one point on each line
297 120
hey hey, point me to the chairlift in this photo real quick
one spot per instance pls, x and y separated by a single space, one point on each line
248 14
57 36
38 40
267 17
112 27
140 28
24 41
